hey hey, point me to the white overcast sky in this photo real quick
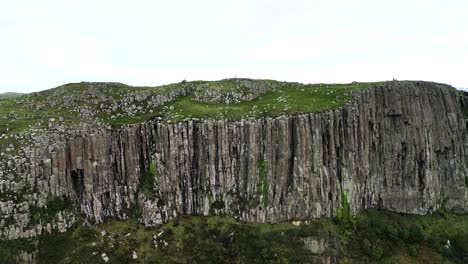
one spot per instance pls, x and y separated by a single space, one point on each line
47 43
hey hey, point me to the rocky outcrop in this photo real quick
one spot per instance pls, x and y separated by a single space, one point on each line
400 146
26 258
239 90
325 248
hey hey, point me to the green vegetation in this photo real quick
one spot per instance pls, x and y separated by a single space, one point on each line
291 99
72 103
344 216
377 237
182 240
10 248
53 207
147 181
34 110
382 237
262 185
10 95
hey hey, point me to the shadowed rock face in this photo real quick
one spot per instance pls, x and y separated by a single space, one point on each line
401 146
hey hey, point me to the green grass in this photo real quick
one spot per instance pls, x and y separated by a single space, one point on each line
383 237
262 185
293 99
377 237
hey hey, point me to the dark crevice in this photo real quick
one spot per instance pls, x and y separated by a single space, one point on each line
293 143
194 177
182 177
421 174
380 203
77 177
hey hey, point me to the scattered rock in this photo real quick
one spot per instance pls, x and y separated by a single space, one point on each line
104 257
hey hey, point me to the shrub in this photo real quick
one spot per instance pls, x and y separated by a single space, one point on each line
147 181
52 208
53 247
262 185
344 215
416 233
10 248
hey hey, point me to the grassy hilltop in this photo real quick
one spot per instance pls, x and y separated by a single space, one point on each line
104 105
117 104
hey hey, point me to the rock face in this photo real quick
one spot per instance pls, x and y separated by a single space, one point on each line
401 146
325 248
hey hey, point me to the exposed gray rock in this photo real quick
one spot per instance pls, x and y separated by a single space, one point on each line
26 258
315 245
243 90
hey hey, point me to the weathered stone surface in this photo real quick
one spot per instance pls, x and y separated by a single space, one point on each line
401 146
325 248
243 90
26 258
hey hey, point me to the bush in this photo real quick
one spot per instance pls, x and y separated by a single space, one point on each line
459 246
53 247
416 233
53 207
262 185
147 182
412 251
344 216
10 248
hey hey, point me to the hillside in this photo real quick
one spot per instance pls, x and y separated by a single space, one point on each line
259 153
10 95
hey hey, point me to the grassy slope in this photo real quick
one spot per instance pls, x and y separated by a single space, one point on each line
375 237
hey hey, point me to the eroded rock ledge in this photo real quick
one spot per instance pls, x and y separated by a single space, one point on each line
400 146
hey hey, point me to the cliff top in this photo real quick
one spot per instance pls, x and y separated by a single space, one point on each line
118 104
91 104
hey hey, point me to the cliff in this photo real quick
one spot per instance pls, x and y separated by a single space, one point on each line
399 146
